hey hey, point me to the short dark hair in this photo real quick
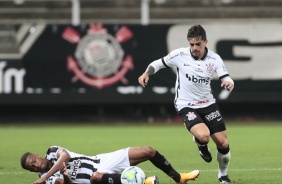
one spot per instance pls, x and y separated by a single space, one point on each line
23 159
197 31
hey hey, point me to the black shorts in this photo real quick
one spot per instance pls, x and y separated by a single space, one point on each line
210 115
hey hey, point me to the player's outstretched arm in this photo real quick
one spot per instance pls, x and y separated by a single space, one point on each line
151 69
144 78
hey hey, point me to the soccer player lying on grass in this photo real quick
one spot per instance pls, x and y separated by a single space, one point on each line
61 166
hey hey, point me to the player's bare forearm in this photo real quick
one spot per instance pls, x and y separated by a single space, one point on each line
64 172
144 78
150 70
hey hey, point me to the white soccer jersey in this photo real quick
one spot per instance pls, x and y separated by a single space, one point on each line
81 167
192 87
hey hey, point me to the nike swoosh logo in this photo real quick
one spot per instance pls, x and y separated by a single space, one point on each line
219 119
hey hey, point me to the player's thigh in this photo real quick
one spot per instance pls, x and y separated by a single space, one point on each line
201 131
190 117
114 162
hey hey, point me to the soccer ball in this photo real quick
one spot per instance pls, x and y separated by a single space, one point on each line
132 175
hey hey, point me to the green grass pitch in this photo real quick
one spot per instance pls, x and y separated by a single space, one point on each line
256 148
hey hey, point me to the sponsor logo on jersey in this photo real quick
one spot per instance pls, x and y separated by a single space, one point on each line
198 70
198 102
198 79
73 169
213 115
191 116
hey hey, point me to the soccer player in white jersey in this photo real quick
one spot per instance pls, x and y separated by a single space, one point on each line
196 66
61 166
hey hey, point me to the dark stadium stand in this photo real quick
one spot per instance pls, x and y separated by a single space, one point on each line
54 11
125 11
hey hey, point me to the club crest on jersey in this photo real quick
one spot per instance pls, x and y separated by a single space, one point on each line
210 68
99 60
191 116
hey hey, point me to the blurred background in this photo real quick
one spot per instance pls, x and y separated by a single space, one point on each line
79 60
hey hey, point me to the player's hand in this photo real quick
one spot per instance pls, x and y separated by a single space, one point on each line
63 169
143 79
227 85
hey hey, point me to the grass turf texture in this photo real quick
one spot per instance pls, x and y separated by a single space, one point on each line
256 148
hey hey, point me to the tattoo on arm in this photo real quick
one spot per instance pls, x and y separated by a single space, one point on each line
150 70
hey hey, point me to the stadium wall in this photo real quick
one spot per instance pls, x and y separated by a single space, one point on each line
62 69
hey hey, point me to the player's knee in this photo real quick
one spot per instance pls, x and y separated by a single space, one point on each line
96 177
202 139
223 144
149 152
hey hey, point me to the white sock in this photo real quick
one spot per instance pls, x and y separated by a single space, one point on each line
223 163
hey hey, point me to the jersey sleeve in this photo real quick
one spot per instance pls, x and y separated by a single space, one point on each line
51 153
221 70
170 59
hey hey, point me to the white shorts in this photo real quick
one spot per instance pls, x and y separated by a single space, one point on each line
114 162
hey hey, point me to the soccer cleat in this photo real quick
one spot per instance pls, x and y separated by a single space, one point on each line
224 179
152 180
204 152
184 177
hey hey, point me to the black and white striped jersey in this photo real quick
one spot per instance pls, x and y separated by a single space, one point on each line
80 167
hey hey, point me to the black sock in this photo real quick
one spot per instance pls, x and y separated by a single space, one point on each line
163 164
223 151
110 179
